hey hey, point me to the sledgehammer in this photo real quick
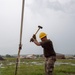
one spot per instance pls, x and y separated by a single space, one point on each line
39 27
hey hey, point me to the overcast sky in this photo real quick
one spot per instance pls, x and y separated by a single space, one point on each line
56 16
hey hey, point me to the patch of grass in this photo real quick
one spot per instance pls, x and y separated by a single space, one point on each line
65 68
66 60
26 67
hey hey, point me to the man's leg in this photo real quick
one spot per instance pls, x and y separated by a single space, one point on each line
49 65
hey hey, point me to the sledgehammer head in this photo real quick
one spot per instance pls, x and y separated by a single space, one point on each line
40 27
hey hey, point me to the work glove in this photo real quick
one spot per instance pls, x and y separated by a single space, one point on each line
31 40
34 36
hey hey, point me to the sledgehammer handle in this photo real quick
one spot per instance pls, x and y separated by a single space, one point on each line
39 27
37 31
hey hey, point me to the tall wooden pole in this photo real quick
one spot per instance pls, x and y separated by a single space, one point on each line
20 43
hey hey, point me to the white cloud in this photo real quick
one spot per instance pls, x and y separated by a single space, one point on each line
57 18
67 6
52 0
64 1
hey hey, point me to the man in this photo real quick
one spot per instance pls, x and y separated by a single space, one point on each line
49 53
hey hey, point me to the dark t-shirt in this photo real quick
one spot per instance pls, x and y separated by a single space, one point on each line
48 48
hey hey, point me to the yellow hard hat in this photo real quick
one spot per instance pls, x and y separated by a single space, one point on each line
42 35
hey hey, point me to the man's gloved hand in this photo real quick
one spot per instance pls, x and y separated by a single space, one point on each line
31 40
34 36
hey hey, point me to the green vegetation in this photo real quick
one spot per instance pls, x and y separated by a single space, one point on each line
36 67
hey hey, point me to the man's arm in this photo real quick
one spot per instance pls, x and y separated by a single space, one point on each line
36 42
33 39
